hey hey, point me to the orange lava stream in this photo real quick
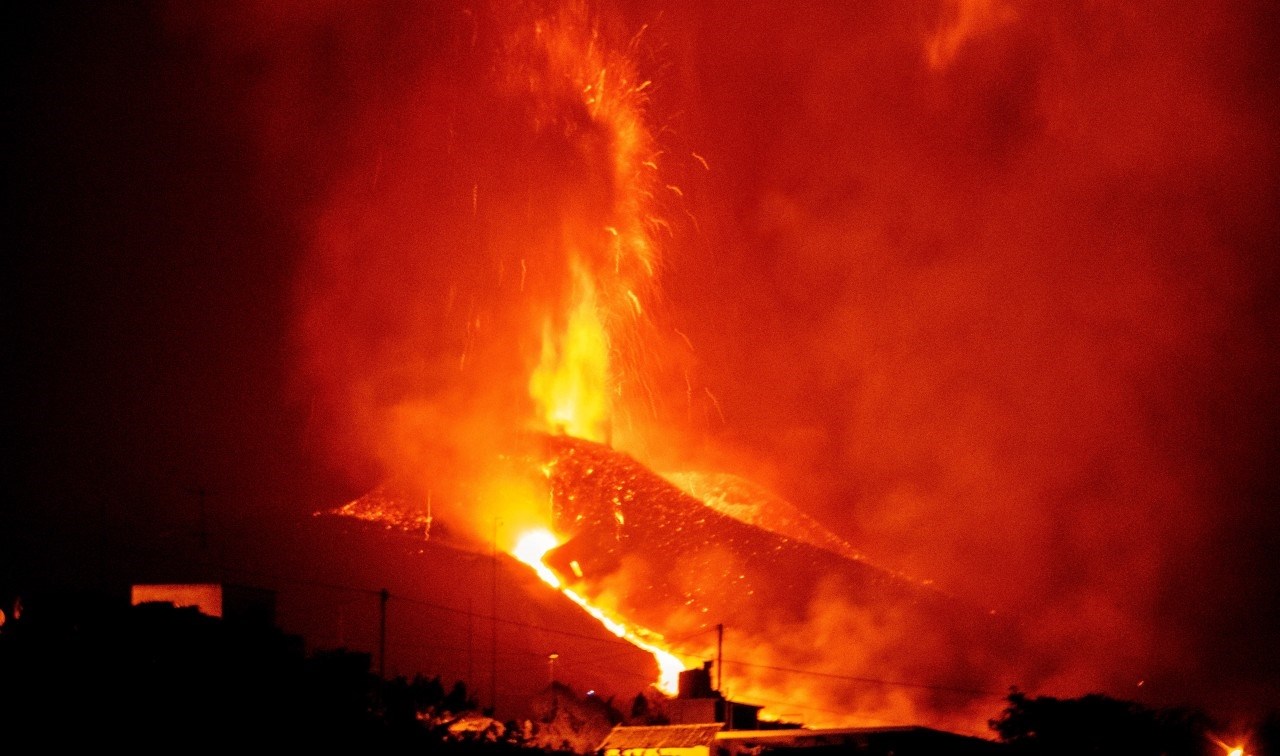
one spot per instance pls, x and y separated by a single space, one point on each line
530 549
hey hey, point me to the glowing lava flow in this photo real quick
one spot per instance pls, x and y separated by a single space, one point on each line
530 549
1230 750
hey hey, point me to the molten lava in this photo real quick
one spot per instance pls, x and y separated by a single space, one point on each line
533 546
530 549
571 382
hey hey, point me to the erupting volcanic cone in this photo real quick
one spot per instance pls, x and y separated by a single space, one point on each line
673 563
797 600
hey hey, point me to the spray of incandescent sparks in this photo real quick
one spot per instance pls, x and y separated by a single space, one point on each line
610 257
609 269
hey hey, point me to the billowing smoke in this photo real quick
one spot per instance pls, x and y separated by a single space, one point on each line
986 287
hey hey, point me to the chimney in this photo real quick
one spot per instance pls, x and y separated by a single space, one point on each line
695 683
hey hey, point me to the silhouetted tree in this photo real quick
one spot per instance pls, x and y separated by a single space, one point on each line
457 700
1098 724
1266 740
648 708
76 675
429 691
639 707
565 721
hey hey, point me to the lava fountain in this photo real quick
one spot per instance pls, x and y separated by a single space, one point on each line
609 271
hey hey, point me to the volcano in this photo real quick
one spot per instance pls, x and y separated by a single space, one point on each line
671 557
688 560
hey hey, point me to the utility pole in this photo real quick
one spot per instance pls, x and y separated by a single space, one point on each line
555 697
720 658
471 653
493 634
383 595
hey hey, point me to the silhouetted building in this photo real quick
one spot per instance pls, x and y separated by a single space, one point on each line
81 670
234 603
695 683
697 703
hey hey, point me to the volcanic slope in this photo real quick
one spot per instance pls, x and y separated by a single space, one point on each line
804 612
684 562
749 503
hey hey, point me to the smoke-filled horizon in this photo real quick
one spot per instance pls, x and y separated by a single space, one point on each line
989 291
985 287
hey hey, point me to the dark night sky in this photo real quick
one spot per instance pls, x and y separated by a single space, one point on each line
1030 293
147 315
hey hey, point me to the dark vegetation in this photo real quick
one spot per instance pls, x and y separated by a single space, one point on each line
1098 724
155 676
89 672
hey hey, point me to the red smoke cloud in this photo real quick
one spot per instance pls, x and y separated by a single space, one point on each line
985 287
1006 312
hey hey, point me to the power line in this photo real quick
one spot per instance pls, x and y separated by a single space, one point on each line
432 605
442 647
374 592
794 705
870 680
606 669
